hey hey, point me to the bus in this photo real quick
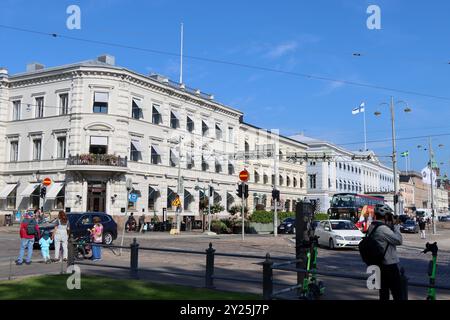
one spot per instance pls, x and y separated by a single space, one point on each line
349 205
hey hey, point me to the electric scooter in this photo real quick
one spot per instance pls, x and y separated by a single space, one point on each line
312 288
433 248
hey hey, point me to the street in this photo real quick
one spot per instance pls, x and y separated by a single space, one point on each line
345 261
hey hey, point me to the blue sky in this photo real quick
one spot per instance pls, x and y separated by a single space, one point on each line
411 52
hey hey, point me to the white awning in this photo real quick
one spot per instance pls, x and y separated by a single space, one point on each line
157 149
29 190
158 108
99 141
55 188
7 190
174 154
138 103
176 114
137 145
101 97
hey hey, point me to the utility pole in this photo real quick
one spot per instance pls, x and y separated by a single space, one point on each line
243 211
179 188
209 208
275 201
432 193
394 157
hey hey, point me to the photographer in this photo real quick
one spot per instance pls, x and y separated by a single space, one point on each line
388 237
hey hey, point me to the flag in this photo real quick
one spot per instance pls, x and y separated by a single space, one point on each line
405 154
426 176
359 109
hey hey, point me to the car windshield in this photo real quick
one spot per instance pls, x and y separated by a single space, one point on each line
410 222
343 225
343 201
289 220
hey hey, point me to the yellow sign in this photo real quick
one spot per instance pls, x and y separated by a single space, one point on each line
176 202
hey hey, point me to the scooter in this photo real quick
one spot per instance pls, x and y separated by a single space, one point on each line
433 248
312 288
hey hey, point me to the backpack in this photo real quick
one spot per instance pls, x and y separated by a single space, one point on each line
370 250
31 227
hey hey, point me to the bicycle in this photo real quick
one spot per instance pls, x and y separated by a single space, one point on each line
83 248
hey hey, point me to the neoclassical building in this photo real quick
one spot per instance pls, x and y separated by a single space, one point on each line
92 126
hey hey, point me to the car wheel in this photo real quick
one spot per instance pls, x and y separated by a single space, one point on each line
331 244
107 238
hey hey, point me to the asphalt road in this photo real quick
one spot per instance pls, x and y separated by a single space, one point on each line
345 261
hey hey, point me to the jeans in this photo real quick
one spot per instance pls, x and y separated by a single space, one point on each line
96 251
390 282
25 243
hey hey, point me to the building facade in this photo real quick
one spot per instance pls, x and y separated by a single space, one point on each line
94 127
340 173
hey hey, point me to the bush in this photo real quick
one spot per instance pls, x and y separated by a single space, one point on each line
260 207
219 226
262 217
284 215
237 209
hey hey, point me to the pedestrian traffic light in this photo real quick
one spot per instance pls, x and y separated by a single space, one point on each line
276 194
43 192
245 191
239 190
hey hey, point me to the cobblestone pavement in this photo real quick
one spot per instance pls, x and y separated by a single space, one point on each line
341 261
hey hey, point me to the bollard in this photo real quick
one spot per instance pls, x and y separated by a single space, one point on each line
209 281
404 285
71 251
267 278
134 259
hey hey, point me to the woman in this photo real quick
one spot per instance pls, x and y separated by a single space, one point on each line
97 237
61 235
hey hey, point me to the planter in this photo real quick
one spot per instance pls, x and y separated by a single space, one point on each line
261 228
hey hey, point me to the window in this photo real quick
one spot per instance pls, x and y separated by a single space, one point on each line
99 145
265 178
190 124
156 114
218 166
174 120
230 169
39 107
152 197
295 182
174 158
230 134
218 132
280 180
190 161
312 181
329 183
256 177
205 129
302 184
136 109
35 197
288 181
14 151
272 179
135 150
11 200
60 199
37 146
16 110
340 165
101 102
61 147
155 155
205 165
63 104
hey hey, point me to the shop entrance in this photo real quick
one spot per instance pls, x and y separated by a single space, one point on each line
96 196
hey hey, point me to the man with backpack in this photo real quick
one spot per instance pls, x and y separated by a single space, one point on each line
28 229
379 248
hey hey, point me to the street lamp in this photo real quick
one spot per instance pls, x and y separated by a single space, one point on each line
394 147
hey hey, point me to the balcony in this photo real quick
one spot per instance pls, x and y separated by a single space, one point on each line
94 162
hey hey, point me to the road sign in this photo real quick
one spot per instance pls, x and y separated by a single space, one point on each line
176 202
47 181
244 175
132 197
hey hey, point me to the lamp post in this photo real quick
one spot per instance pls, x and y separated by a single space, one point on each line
394 147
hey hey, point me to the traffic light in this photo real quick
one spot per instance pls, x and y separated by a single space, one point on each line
43 192
395 199
245 191
211 191
239 191
276 194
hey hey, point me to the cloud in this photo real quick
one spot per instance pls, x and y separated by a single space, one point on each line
282 49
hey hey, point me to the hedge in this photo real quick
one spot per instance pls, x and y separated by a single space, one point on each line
267 216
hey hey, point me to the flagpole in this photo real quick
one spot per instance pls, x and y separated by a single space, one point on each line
181 55
365 132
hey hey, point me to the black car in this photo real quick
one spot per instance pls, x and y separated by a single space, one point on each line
409 226
80 222
287 226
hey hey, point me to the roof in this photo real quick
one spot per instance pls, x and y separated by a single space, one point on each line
307 140
280 135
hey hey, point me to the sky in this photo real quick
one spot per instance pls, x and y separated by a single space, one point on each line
410 53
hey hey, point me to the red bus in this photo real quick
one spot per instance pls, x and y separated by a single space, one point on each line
349 205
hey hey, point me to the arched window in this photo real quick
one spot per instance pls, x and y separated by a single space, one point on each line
302 184
295 182
288 181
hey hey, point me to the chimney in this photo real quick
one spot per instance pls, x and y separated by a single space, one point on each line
108 59
31 67
3 73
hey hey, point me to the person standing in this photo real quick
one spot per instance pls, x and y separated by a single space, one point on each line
97 238
141 222
61 235
422 228
45 243
28 230
387 235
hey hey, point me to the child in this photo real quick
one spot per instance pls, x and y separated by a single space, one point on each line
97 237
45 242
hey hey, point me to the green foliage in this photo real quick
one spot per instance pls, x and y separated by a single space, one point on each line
217 208
237 209
261 217
219 226
321 216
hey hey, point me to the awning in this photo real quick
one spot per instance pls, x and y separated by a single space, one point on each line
174 155
158 108
7 190
157 150
154 190
29 190
138 103
176 114
101 97
137 145
55 188
99 141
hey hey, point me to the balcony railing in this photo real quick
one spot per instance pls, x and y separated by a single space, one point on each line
97 160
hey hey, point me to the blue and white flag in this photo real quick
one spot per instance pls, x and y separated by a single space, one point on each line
359 109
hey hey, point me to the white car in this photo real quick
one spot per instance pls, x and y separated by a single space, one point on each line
338 234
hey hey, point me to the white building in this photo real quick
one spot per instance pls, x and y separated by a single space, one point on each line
92 126
342 173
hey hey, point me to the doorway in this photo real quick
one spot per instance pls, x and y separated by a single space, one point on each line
96 196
